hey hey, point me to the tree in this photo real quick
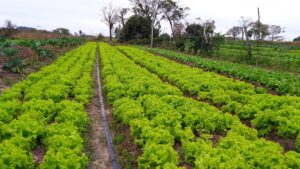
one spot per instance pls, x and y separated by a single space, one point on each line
193 30
178 29
235 31
245 23
150 9
297 39
8 29
275 30
62 31
122 14
260 31
137 27
110 18
80 32
201 36
173 13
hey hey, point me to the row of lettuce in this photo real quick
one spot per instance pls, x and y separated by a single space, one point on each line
279 58
47 110
283 83
163 122
268 113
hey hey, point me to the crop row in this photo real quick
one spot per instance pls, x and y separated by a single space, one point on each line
284 83
46 111
162 121
267 112
283 51
271 54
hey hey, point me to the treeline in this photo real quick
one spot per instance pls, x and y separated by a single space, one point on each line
10 30
141 24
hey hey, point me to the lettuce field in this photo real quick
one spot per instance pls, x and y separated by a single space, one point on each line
180 111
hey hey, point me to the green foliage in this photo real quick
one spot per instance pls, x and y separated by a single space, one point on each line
9 109
9 52
29 125
136 27
47 114
127 110
266 111
46 107
284 83
296 39
64 158
201 38
157 156
119 138
292 159
155 135
159 121
57 92
13 156
70 139
15 65
74 113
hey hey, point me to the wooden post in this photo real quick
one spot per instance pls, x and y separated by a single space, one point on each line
259 35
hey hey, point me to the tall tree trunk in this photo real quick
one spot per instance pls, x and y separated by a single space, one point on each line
152 33
248 43
110 33
122 20
172 29
243 34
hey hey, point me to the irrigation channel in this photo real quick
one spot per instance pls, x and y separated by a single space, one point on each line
110 146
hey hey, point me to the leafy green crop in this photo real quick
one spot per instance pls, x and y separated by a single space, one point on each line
162 120
267 112
284 83
51 112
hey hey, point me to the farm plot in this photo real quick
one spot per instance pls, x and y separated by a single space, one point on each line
175 131
268 113
282 82
43 116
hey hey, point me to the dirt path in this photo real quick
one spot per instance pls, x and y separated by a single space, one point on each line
96 137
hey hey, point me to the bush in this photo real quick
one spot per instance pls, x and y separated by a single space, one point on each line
15 66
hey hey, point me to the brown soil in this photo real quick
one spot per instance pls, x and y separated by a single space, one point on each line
178 147
215 139
247 123
287 143
7 79
127 152
38 154
97 147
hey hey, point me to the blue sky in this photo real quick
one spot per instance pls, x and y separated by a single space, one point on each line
86 14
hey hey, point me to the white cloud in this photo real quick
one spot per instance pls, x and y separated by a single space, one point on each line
86 14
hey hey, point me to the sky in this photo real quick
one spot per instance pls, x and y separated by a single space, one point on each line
85 15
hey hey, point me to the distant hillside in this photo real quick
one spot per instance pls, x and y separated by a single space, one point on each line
25 28
36 34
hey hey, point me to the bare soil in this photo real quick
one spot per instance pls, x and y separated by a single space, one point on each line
126 151
38 154
287 143
7 79
178 147
216 138
97 148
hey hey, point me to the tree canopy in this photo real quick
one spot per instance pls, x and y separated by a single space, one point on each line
136 27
